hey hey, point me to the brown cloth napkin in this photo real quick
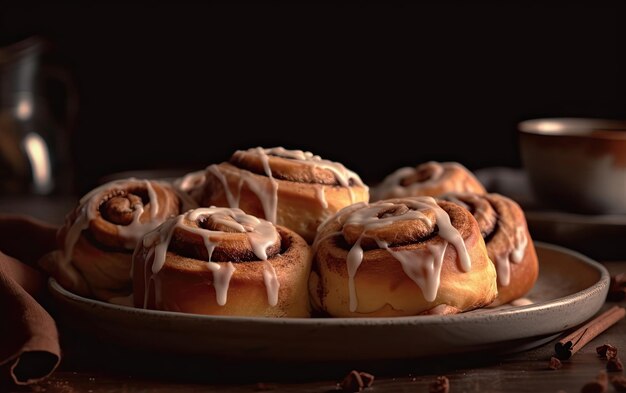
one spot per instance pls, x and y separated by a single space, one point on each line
29 340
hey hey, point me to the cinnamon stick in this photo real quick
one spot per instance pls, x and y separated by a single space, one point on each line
571 344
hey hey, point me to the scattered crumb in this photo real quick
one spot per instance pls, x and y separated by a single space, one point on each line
607 351
555 363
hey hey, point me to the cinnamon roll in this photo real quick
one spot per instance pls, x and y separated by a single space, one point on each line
400 257
222 261
191 184
98 239
428 179
503 226
288 187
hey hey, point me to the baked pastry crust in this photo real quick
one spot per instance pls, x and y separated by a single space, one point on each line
419 256
291 188
99 236
510 247
221 261
428 179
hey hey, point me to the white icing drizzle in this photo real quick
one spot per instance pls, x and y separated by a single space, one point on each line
425 270
523 301
391 186
354 259
269 198
261 234
342 174
319 193
271 283
422 267
132 232
221 280
268 193
514 254
230 198
517 242
521 241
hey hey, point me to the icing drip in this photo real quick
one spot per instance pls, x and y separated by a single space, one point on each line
319 193
131 233
521 241
342 174
355 257
221 280
268 193
423 267
136 229
260 233
492 216
230 198
269 198
512 254
271 283
523 301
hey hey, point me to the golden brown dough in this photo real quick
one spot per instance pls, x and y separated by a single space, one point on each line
503 225
99 236
221 261
428 179
292 188
398 257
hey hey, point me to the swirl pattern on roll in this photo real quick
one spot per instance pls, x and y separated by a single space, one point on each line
503 225
402 256
428 179
293 188
100 235
222 261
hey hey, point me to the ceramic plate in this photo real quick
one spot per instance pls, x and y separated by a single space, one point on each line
571 288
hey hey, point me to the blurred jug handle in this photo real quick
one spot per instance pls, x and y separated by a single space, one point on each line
60 74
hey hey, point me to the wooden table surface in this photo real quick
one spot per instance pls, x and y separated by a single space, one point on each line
98 367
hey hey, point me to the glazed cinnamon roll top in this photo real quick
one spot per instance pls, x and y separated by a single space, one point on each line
428 179
295 165
99 236
213 235
119 213
293 188
417 232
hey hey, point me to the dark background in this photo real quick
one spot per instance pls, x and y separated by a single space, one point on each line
182 86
